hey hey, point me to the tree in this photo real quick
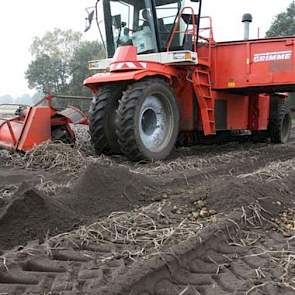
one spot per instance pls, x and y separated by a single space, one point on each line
58 44
37 97
60 62
79 64
47 73
284 23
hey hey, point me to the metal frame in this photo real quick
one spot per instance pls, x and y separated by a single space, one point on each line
155 18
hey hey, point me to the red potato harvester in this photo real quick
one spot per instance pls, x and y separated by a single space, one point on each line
167 81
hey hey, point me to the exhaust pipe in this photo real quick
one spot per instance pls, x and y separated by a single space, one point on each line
247 20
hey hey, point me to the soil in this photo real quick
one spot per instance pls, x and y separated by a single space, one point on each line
30 215
101 190
207 221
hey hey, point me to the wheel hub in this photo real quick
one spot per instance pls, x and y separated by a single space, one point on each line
155 123
149 122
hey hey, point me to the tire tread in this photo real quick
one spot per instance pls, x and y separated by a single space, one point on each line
126 118
103 137
278 110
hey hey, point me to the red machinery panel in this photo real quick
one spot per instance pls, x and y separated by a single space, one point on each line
244 112
255 64
263 112
36 128
236 112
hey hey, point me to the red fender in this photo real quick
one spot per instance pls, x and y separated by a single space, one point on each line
153 69
126 67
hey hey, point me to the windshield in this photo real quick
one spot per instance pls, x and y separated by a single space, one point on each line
166 16
129 23
145 24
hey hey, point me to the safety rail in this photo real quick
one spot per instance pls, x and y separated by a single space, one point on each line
187 31
208 28
64 101
14 105
48 97
209 39
72 97
198 33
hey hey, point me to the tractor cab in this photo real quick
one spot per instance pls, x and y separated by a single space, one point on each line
150 25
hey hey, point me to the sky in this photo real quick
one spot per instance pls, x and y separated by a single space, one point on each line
21 21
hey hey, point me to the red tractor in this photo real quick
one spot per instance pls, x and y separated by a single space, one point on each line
166 81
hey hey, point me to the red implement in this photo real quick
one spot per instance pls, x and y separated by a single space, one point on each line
36 124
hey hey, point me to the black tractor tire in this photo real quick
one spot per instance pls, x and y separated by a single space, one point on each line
148 120
280 123
61 134
102 120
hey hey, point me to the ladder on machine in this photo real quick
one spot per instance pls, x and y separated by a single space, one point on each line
203 89
203 83
201 77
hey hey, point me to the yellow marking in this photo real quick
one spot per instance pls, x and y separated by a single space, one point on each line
248 61
187 56
231 84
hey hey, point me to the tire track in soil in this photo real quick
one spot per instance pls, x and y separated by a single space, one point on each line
100 191
225 169
213 161
213 262
208 264
207 267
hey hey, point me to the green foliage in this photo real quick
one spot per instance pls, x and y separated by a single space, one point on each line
60 62
79 64
284 23
48 74
56 44
37 97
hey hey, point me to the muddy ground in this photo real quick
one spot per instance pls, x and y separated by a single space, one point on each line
213 219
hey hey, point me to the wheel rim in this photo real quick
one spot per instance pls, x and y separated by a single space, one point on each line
286 126
156 124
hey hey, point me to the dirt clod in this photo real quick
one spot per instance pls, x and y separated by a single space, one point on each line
104 189
30 215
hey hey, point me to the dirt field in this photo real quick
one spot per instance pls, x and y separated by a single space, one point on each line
213 219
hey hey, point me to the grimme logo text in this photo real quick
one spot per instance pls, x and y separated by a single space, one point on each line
273 56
